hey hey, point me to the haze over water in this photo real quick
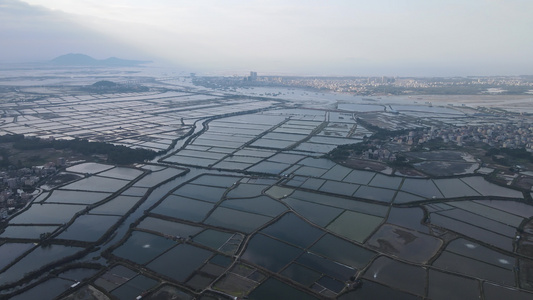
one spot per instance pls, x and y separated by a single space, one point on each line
384 37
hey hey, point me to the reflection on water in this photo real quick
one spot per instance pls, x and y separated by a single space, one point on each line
398 275
405 243
38 258
46 290
142 247
180 262
319 234
275 289
444 286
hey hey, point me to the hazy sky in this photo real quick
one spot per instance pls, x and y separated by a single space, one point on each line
330 37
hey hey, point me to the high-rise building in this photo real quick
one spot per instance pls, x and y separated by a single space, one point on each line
253 76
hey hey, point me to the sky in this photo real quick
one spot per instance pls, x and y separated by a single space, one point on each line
300 37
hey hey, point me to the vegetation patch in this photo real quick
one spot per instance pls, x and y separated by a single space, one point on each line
115 154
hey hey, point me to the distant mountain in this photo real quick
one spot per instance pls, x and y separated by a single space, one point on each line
76 59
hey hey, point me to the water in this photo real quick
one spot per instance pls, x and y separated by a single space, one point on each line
286 158
270 253
454 187
166 290
236 220
479 261
319 214
411 218
213 239
119 206
336 187
444 286
89 228
489 212
359 177
422 187
155 178
275 289
269 167
315 148
384 181
398 275
310 171
333 140
203 154
122 173
372 290
205 193
47 214
10 251
169 228
360 107
152 198
97 183
27 232
292 229
183 208
241 160
246 190
377 194
485 223
76 197
326 267
134 287
78 274
497 240
142 247
180 262
312 183
343 203
89 168
513 207
214 180
260 205
278 192
182 141
337 173
496 292
46 290
271 144
355 226
115 277
404 243
35 260
301 274
342 251
402 197
283 136
135 191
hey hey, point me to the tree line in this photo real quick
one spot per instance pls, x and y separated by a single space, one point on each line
116 154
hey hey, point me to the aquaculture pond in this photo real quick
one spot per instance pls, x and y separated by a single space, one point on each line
47 290
169 228
387 272
405 243
38 258
27 231
47 214
76 197
180 262
250 208
142 247
88 228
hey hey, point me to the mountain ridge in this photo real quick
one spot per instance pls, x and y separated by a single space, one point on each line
78 59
